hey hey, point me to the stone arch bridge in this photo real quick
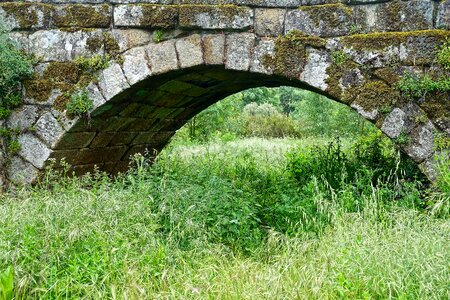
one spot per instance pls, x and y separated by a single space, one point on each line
169 59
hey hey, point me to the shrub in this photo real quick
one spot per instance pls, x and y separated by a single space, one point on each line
14 67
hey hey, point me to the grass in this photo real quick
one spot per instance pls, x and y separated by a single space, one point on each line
223 221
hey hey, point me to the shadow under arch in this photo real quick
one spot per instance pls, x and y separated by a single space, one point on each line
147 114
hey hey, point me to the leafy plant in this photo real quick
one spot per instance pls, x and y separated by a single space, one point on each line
79 104
403 138
339 57
15 66
417 86
443 55
94 63
158 35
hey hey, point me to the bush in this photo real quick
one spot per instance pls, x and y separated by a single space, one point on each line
14 67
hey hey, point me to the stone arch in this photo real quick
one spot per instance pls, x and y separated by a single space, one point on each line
352 51
141 99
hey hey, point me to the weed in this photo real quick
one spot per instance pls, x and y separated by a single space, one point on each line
339 57
93 64
403 138
158 36
443 55
79 104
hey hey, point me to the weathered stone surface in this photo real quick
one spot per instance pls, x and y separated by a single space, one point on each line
394 122
81 15
216 17
21 172
269 22
238 51
189 50
422 143
112 81
25 15
326 21
162 57
395 16
214 49
33 150
23 118
49 129
265 47
315 71
443 15
73 140
51 45
135 65
129 38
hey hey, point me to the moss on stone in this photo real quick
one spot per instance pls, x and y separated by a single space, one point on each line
335 74
79 15
26 14
382 40
372 95
106 41
159 16
388 75
290 54
329 14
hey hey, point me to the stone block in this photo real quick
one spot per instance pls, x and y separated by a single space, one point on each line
315 70
265 47
49 129
215 17
25 16
239 48
75 140
214 49
82 16
135 65
146 15
269 22
33 150
162 57
23 117
21 172
394 122
325 21
189 51
443 15
112 81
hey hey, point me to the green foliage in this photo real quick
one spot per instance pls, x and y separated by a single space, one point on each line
443 55
418 86
79 104
7 284
14 67
94 63
221 222
9 136
403 138
339 57
158 36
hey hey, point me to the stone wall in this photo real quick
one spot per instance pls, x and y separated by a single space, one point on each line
168 60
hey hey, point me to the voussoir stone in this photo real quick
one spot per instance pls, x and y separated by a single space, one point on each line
189 51
214 48
162 57
265 47
239 51
394 123
23 118
135 65
112 81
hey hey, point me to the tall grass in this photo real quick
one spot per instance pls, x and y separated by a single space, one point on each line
223 221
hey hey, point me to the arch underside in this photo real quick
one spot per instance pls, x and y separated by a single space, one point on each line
144 117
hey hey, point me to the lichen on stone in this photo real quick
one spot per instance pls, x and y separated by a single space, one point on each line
372 95
26 14
330 14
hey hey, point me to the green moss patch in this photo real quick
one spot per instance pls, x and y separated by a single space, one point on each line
84 16
159 16
290 53
372 95
330 14
26 14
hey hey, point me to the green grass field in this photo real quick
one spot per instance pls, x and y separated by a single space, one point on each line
224 221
